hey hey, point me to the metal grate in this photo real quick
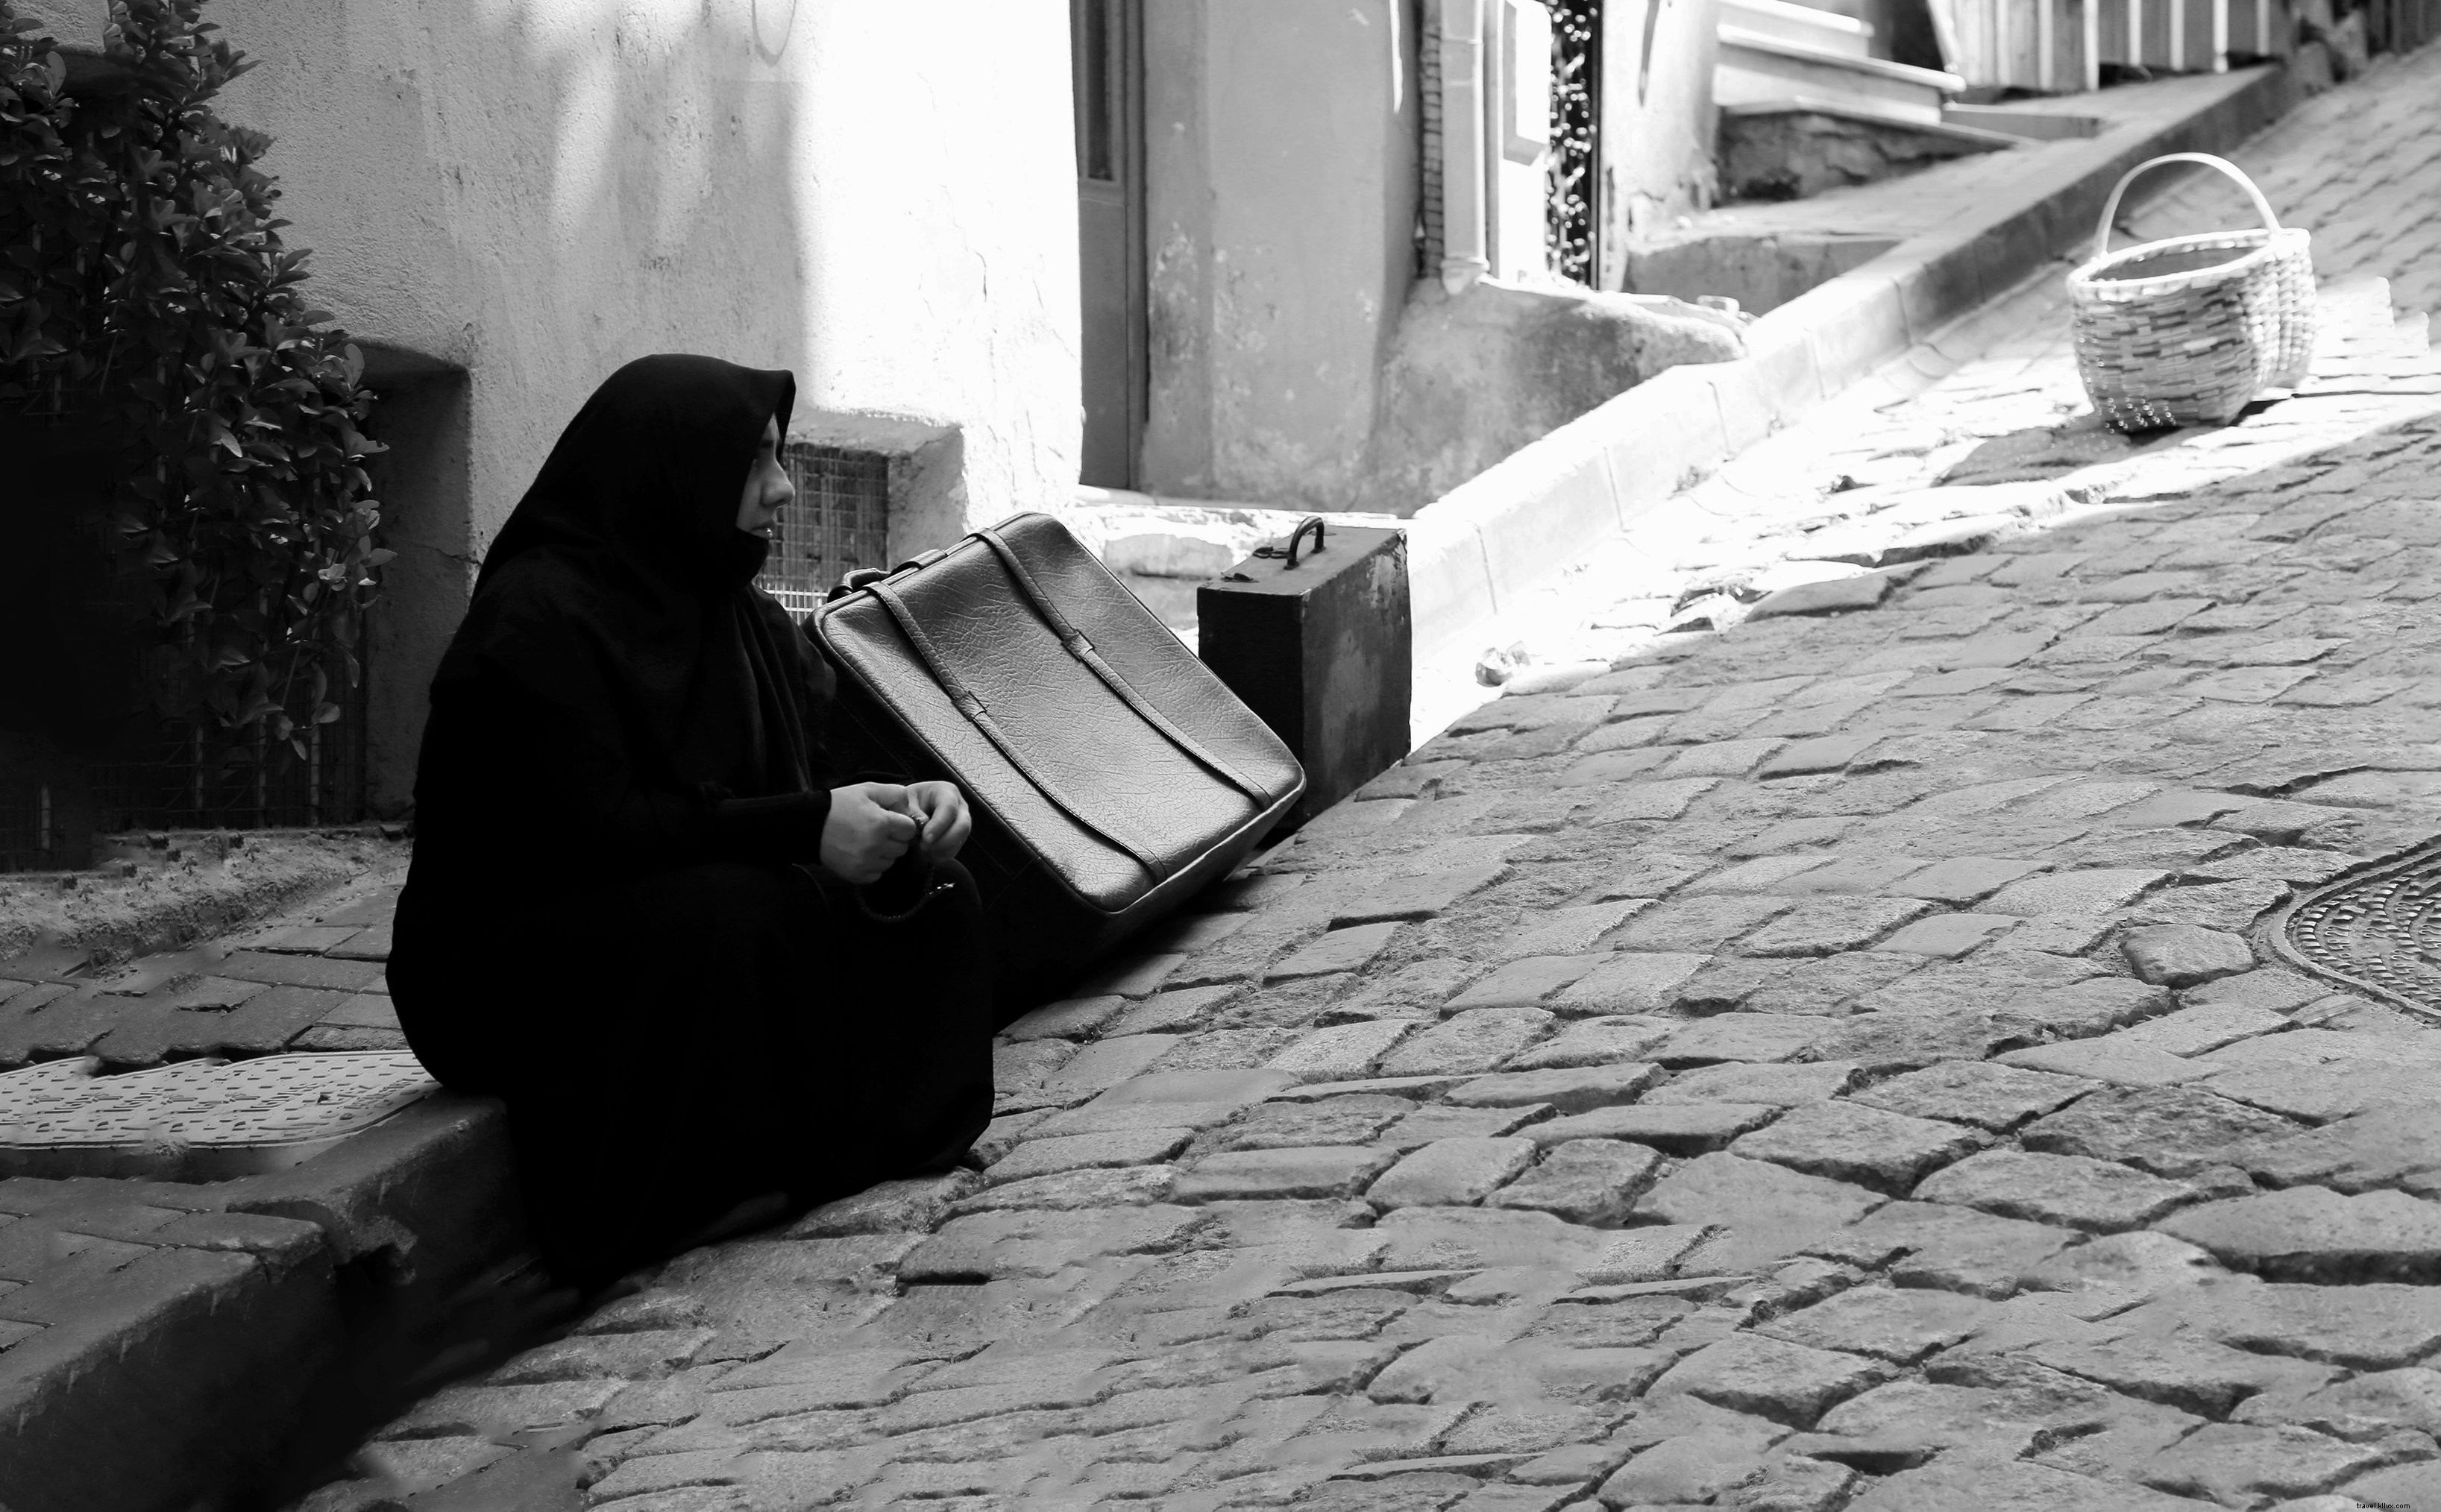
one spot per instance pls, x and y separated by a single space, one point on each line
839 522
197 1120
165 778
175 781
1571 227
2378 930
25 838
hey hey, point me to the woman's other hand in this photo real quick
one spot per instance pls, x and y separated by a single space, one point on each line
868 829
947 823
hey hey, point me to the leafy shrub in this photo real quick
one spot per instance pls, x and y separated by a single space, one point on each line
144 287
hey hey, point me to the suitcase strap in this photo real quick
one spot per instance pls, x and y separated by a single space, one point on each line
972 706
1083 651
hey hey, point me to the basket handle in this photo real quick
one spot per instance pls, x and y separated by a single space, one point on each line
2110 207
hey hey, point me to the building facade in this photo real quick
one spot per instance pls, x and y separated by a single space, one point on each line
1270 250
508 199
1356 286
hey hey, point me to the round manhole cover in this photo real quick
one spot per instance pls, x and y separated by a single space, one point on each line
2378 931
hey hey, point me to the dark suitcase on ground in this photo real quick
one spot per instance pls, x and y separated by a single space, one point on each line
1321 649
1110 774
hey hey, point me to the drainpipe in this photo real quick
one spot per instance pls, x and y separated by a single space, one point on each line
1465 242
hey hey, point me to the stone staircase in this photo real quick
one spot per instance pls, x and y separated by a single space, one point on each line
1773 53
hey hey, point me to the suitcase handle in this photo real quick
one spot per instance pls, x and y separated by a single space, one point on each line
1311 522
860 578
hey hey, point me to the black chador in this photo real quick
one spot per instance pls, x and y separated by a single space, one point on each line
616 918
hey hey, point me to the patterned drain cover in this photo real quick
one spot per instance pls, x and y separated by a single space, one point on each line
197 1120
2378 931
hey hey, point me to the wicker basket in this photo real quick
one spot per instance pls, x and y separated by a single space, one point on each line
2186 331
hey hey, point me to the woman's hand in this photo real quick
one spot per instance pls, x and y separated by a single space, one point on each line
868 829
946 821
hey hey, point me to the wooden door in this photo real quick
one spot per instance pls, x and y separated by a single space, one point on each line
1106 40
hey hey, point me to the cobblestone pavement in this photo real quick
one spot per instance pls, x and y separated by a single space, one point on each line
1835 1062
1827 1064
312 981
1856 481
2374 210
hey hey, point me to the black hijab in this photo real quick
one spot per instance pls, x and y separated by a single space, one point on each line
620 591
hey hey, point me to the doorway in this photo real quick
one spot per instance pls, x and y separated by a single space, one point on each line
1107 45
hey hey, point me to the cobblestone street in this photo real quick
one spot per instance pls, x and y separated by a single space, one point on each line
1859 480
1829 1061
1840 1061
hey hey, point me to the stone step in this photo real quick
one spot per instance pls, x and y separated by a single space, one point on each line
1756 69
1874 113
1824 29
2030 122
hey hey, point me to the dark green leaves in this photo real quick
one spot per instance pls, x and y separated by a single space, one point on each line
146 286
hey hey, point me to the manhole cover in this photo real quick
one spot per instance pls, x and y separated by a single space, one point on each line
196 1119
2378 931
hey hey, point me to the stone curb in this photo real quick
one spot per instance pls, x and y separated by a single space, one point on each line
190 1367
1480 548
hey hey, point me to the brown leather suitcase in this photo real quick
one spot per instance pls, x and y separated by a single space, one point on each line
1110 774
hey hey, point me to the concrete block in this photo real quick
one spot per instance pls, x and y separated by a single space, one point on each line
1419 897
2007 248
1342 1051
210 1351
1575 1090
1169 1100
1069 1019
1750 398
1783 370
1449 582
1655 434
1338 950
1868 329
1451 1173
428 1196
1837 596
1545 516
1270 1175
1076 1152
1936 280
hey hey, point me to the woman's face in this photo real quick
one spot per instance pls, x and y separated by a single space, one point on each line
768 489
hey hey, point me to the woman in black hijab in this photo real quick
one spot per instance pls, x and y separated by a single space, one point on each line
703 972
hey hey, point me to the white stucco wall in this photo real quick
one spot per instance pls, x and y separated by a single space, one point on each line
1658 121
1517 129
1280 147
879 195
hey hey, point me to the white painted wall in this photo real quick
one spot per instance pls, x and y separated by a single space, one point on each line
1517 55
878 194
1658 120
1281 184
